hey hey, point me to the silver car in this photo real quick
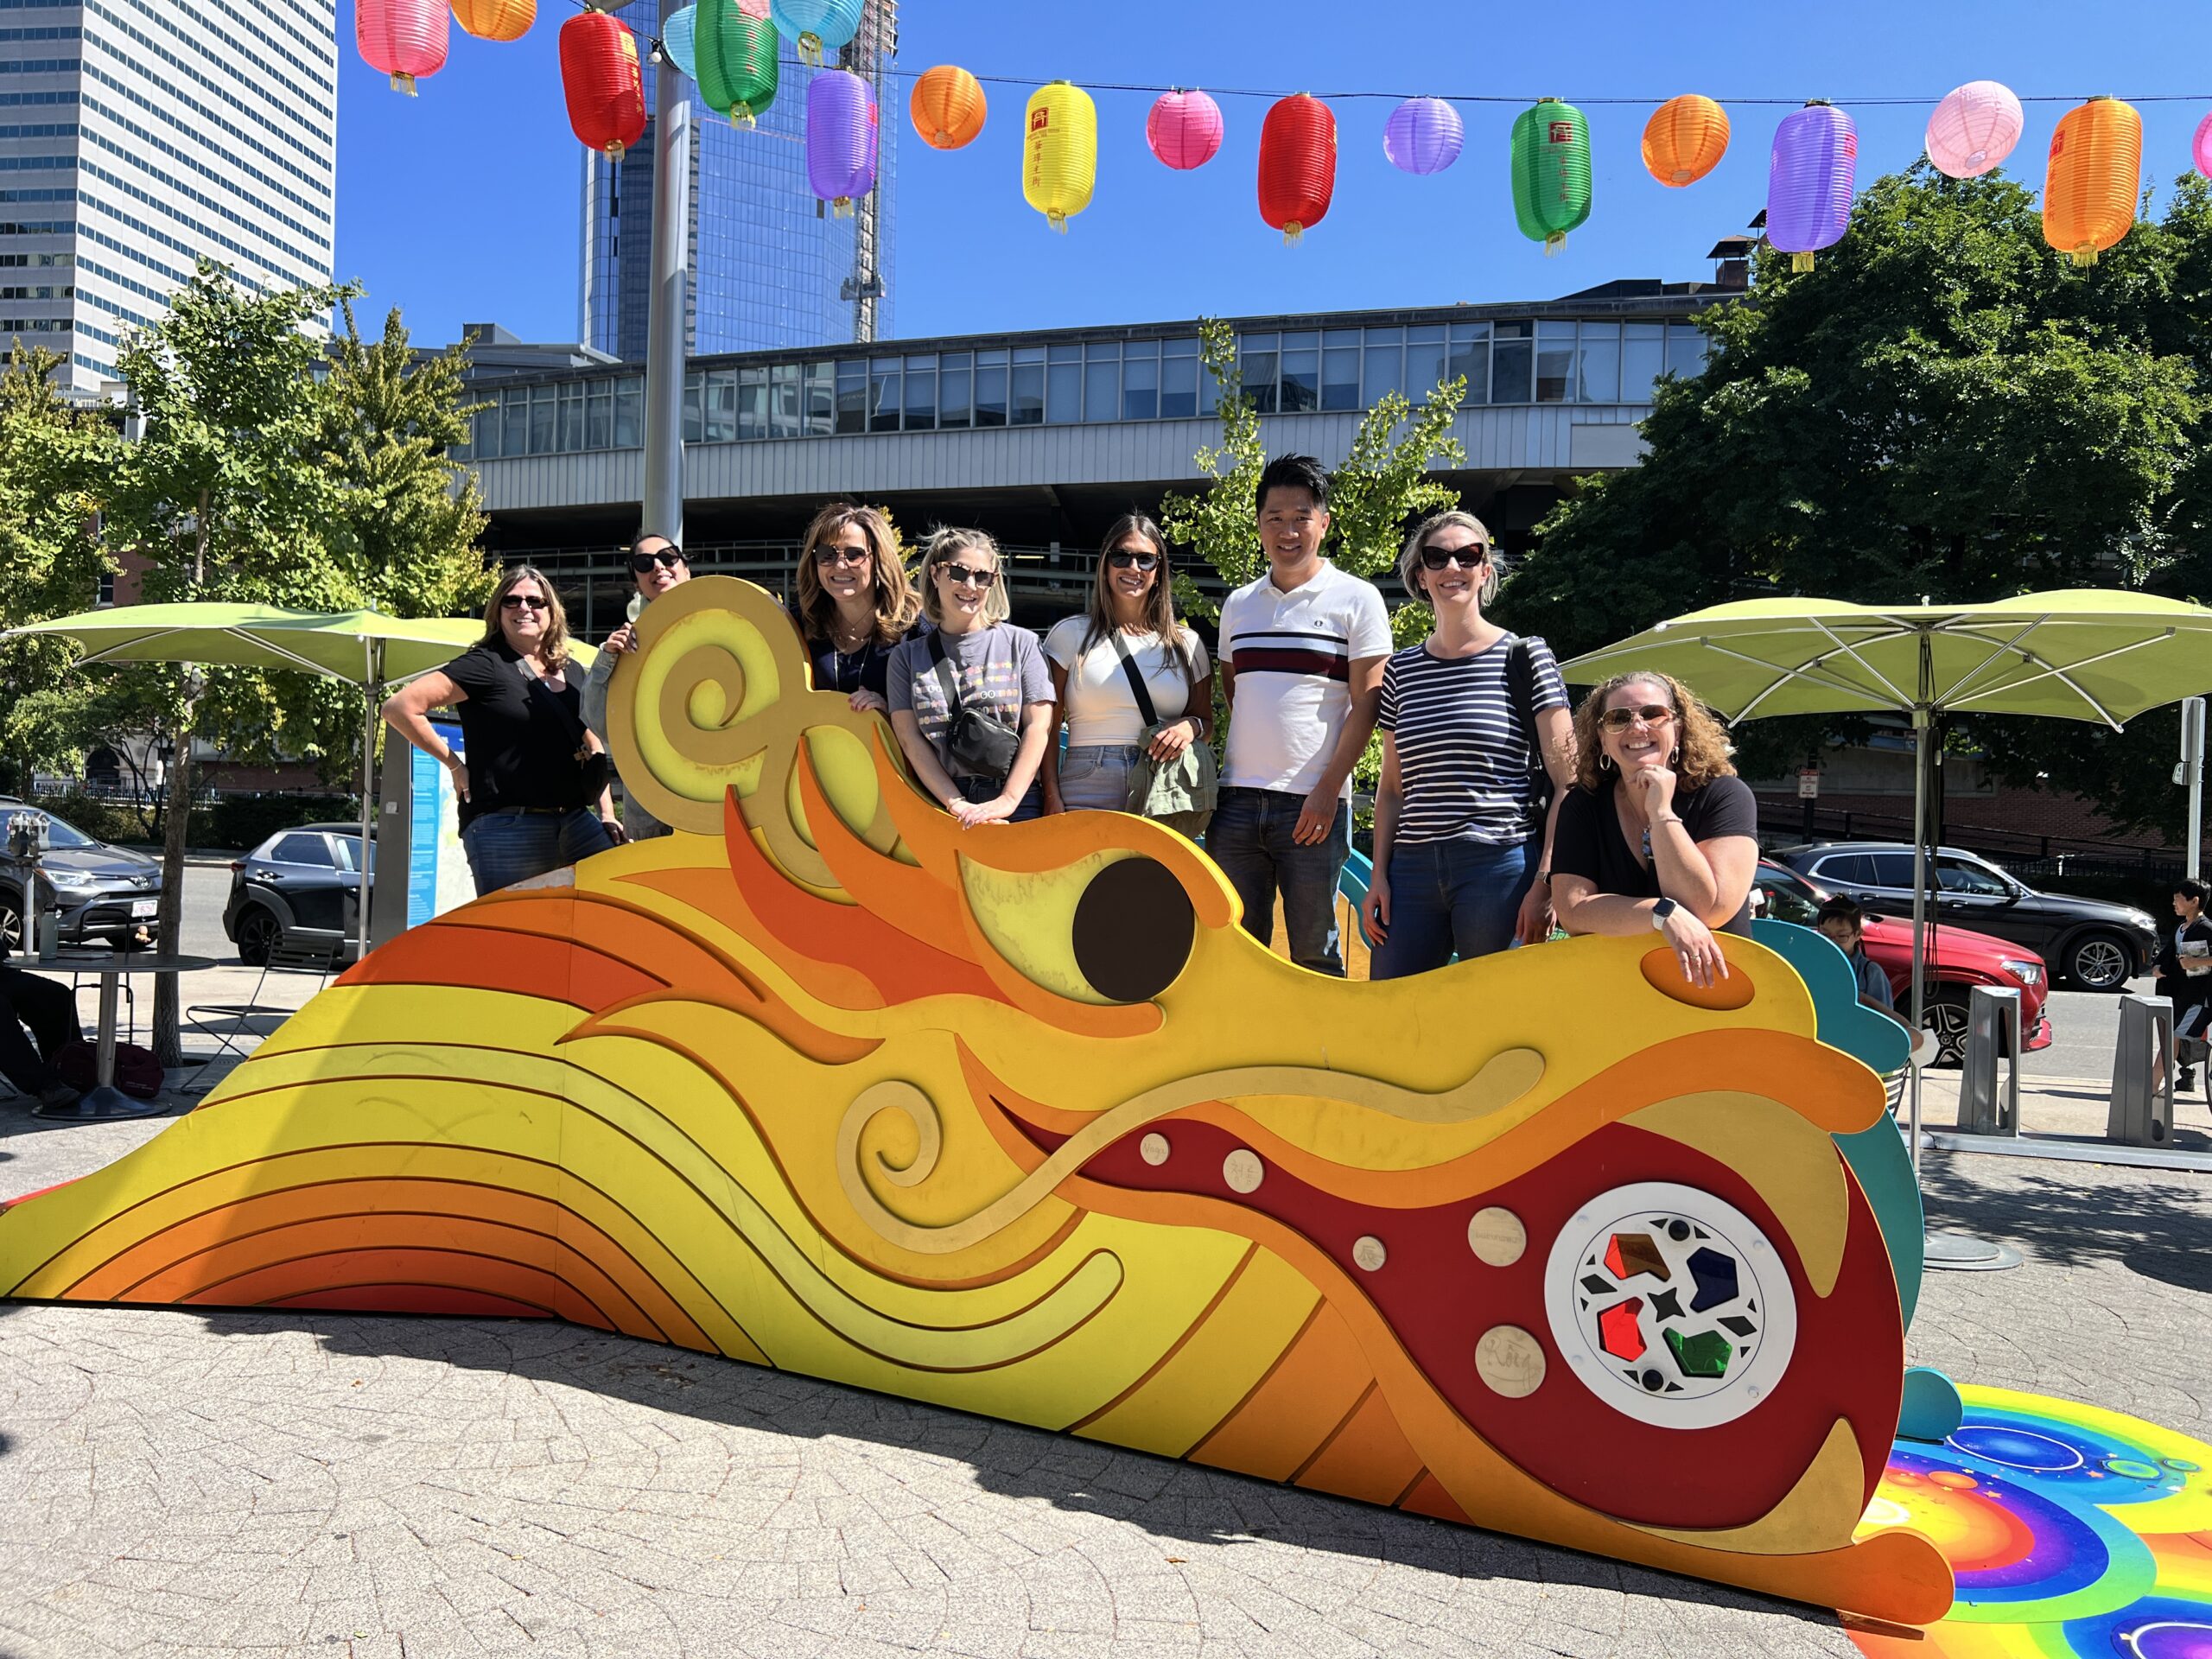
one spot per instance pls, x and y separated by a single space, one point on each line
104 893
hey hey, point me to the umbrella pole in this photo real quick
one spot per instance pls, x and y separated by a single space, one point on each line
1922 731
372 682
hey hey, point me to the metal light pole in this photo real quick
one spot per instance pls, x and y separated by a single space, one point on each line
2191 772
671 281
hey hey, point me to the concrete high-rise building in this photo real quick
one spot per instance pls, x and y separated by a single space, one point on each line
136 137
772 267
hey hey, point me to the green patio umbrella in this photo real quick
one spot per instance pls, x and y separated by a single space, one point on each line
363 648
2084 653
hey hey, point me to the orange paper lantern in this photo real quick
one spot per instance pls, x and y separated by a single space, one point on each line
948 107
2094 179
1685 139
495 20
606 88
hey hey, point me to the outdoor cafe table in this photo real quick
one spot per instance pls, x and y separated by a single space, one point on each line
105 1100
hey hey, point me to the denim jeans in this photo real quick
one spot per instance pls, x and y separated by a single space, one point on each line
1097 777
1451 897
513 843
1250 839
976 791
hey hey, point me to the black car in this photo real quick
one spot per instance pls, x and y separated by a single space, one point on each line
104 892
2090 943
304 884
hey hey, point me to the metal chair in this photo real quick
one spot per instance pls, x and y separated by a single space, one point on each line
289 955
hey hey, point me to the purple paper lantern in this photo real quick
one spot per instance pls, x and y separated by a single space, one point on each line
1810 180
1423 136
841 131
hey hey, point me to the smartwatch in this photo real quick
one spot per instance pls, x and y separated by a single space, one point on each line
1661 911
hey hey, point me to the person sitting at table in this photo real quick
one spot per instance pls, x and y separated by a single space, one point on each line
47 1007
1659 831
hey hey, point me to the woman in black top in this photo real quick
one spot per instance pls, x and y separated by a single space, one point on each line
855 602
1659 831
525 807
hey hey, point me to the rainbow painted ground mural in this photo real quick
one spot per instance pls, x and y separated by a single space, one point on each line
1019 1120
2073 1531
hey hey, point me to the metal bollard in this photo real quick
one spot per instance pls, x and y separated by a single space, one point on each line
2143 1074
1993 1028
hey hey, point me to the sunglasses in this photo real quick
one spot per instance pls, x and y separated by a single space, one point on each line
1619 719
836 555
966 575
516 601
1467 558
1121 559
667 558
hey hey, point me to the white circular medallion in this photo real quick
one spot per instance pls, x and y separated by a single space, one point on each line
1496 1237
1242 1169
1670 1304
1154 1149
1509 1360
1367 1252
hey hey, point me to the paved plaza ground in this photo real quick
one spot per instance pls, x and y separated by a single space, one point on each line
190 1484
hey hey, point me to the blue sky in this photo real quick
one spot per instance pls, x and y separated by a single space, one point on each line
461 204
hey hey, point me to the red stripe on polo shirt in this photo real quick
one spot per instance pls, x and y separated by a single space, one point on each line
1250 659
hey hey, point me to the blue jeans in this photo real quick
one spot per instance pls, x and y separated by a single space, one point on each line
976 791
1250 839
1451 897
1097 777
513 843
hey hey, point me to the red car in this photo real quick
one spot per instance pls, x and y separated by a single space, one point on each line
1958 960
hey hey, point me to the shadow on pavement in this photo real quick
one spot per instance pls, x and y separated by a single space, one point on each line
2160 1227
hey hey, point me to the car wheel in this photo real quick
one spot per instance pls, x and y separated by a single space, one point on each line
2098 962
1945 1014
11 928
257 932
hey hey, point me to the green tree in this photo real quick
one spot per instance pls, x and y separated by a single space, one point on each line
1942 407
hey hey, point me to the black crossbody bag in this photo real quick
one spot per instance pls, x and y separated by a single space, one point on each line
1521 685
982 745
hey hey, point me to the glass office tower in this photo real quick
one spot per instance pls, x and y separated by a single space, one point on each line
769 263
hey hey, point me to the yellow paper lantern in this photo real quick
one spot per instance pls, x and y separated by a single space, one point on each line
2095 178
1059 152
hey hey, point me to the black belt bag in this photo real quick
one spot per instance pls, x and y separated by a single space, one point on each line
981 744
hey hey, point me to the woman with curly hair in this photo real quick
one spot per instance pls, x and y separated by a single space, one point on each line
1659 832
855 602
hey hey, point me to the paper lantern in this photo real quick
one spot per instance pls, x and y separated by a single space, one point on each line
948 107
2200 147
679 38
1551 172
1974 129
1685 139
1423 135
1184 129
816 26
1810 177
605 87
841 127
1298 164
2096 175
495 20
405 39
735 56
1059 152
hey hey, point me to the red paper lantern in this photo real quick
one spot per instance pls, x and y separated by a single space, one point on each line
605 89
1298 164
403 38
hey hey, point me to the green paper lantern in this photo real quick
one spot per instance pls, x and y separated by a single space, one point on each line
1551 172
737 57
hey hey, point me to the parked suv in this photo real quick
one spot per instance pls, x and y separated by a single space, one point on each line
1958 960
304 882
2091 944
104 892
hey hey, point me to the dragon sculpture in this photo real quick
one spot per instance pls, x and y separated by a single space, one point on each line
1019 1120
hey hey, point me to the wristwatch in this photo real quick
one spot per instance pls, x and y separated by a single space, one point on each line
1661 911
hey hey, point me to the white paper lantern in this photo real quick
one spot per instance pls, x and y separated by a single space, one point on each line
1974 129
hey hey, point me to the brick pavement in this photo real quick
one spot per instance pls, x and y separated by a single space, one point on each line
179 1483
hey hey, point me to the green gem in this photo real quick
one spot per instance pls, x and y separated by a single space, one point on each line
1703 1355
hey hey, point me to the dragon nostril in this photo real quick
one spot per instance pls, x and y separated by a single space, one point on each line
1134 928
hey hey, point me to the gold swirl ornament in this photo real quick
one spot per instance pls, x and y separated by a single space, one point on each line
718 698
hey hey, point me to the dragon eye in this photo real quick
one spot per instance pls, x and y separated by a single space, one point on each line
1133 930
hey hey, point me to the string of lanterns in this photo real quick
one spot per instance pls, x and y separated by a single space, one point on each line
732 50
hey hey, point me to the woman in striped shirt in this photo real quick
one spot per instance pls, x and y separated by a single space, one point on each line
1462 852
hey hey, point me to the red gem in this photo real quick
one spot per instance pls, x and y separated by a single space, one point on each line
1619 1332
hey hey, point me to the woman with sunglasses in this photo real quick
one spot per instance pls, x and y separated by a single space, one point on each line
974 683
1131 620
1659 833
657 564
855 602
1461 848
528 805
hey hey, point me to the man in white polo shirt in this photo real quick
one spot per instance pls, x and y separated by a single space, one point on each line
1301 658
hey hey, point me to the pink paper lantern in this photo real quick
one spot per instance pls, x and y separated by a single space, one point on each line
1423 136
1973 129
1184 130
403 38
2200 147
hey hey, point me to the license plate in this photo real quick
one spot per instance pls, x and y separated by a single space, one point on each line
143 907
